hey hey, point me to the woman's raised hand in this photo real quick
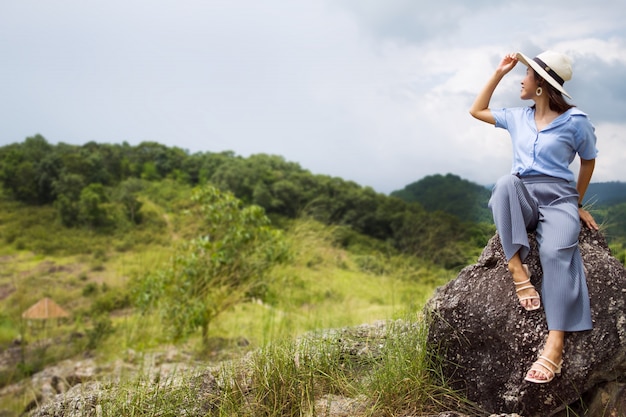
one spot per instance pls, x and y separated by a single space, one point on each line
480 108
508 63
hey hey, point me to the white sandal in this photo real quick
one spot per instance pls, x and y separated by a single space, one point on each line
525 285
546 368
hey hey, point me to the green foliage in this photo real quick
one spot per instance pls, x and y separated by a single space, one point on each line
128 195
90 289
613 220
266 180
37 229
450 194
91 206
28 170
110 188
102 328
321 286
619 251
223 266
149 172
97 186
68 190
109 300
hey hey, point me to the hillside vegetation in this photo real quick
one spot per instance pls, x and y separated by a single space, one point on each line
148 246
450 194
103 279
95 186
468 201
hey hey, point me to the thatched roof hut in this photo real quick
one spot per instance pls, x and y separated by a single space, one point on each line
45 309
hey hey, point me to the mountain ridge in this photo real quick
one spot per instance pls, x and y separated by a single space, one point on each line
468 200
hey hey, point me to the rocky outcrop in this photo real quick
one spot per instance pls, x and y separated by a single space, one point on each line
488 342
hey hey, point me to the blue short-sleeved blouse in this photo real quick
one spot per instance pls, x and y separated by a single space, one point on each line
551 150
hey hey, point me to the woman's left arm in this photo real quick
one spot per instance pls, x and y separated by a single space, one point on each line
584 177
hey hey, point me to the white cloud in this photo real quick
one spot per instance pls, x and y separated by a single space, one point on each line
611 144
375 92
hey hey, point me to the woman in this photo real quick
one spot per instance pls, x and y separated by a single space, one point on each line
540 196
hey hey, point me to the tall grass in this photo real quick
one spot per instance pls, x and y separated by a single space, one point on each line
390 374
409 378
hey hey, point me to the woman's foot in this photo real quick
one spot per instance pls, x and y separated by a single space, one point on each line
526 293
543 370
550 360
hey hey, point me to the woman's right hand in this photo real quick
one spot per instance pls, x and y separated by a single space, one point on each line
480 108
508 63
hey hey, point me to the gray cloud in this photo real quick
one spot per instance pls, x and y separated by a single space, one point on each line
414 21
375 92
601 90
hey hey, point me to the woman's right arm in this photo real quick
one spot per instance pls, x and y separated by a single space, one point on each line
480 108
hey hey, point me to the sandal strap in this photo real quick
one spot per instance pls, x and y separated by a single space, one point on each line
521 282
543 369
549 366
556 366
526 287
530 297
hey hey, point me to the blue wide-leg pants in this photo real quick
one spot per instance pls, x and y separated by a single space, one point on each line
548 206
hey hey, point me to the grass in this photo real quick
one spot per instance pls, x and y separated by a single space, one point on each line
321 287
299 378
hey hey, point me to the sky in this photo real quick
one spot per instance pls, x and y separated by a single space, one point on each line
375 92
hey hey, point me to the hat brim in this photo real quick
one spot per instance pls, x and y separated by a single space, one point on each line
543 73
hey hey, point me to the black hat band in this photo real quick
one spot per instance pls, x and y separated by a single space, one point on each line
550 71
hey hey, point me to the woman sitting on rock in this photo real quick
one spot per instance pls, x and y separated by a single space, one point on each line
540 196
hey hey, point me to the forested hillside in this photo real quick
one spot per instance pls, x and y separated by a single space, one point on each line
450 194
96 186
468 201
605 194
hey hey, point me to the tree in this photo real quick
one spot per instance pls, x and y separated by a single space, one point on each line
127 195
28 170
149 172
91 206
225 265
67 190
25 181
164 160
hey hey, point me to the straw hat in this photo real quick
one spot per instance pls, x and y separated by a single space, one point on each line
554 67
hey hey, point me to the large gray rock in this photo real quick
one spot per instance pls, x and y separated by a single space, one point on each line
488 341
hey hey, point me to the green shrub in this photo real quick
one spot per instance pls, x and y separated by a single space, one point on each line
90 289
102 328
111 300
373 264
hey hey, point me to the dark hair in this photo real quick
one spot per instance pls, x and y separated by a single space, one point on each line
556 101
